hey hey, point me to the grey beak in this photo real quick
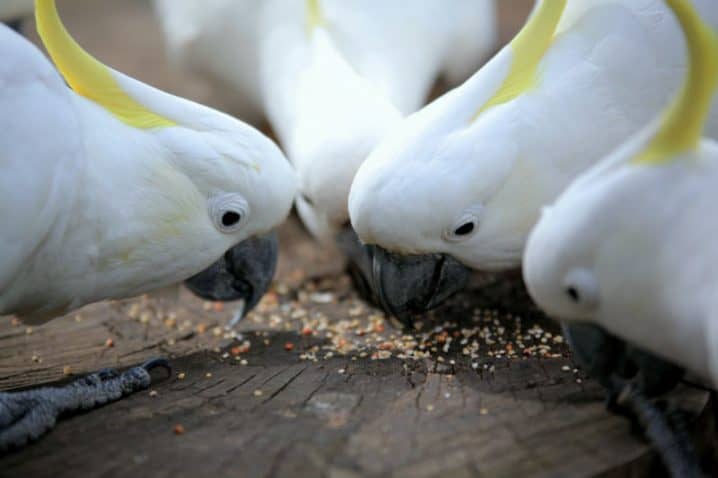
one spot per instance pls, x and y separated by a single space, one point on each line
604 356
413 284
245 272
403 286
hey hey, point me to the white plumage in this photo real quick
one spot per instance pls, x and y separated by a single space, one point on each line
610 67
630 245
94 207
332 76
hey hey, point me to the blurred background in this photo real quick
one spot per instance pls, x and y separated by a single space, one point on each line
125 35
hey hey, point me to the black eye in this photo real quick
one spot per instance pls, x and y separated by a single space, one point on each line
230 218
464 229
572 292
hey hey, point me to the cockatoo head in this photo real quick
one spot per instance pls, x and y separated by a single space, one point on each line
442 194
327 158
338 118
589 263
247 187
591 259
215 184
431 214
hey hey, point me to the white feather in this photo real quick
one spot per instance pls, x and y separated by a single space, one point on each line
94 209
333 93
612 66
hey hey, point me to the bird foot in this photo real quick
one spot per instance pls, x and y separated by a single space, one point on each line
666 430
27 415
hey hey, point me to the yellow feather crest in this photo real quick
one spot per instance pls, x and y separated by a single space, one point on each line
87 76
528 48
315 17
683 123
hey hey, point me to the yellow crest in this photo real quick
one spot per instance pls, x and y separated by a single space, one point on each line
315 17
683 123
528 47
87 76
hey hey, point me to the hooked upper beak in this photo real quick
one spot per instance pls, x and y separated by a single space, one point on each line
413 284
604 357
244 273
402 285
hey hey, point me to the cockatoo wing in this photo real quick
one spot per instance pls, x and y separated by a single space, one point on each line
217 40
473 38
220 38
402 50
41 152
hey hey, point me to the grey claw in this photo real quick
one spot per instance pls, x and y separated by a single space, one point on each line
27 415
108 373
158 363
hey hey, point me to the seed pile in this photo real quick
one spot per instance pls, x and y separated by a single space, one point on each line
329 321
321 319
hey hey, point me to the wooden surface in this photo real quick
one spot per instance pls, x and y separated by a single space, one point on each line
358 409
319 384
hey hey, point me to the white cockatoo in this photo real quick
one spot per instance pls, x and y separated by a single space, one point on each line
630 245
13 12
460 184
332 76
114 188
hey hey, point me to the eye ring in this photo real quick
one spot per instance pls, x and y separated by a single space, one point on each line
581 288
228 212
573 294
464 228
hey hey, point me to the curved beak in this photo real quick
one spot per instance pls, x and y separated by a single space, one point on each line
244 273
604 356
413 284
403 286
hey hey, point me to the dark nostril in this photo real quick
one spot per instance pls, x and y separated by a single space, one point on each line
244 288
573 294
